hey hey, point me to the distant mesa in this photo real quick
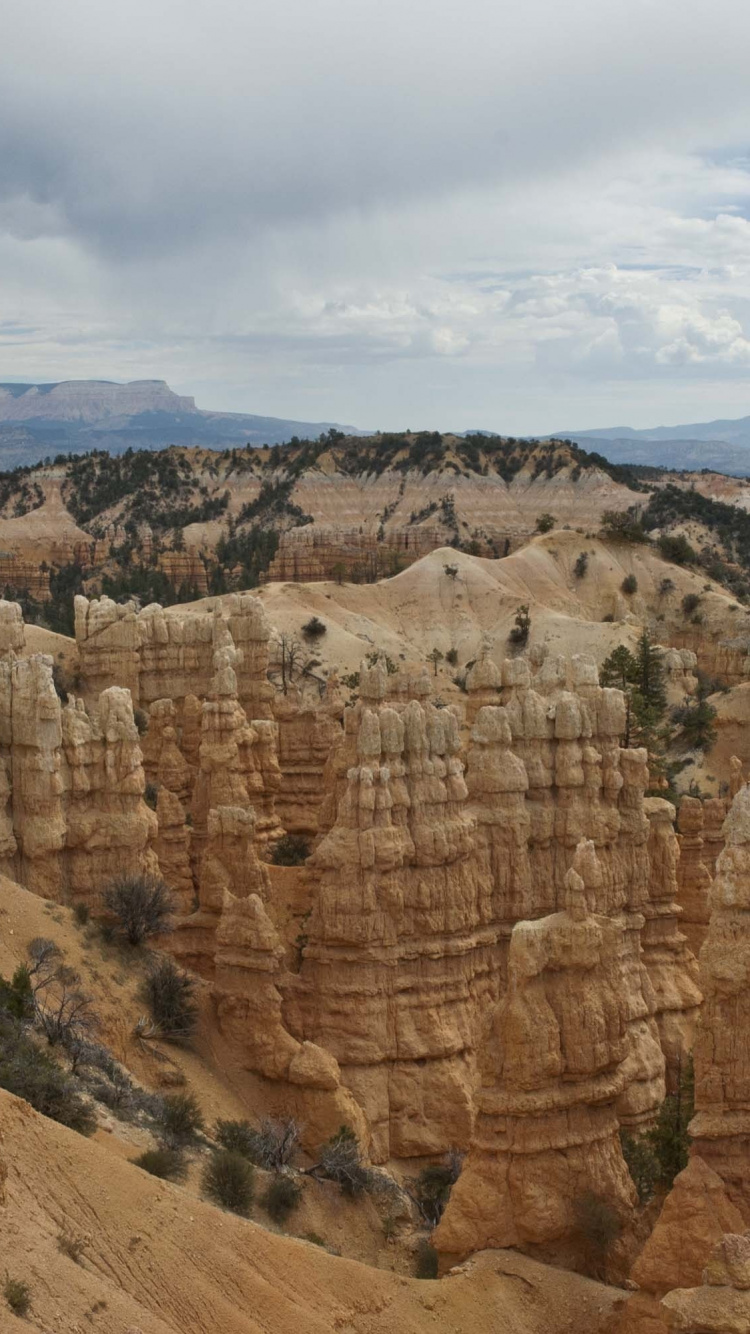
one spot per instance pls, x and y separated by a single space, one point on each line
722 446
74 416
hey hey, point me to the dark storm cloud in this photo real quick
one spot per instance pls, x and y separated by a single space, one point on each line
213 192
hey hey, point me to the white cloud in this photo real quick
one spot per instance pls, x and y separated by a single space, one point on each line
501 216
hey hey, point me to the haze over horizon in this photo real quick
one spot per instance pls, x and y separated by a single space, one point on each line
393 218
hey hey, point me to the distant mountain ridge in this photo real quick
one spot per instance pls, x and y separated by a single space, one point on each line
74 416
722 445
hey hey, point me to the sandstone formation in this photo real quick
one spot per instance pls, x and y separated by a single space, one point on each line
305 1079
671 966
307 734
229 862
398 920
108 827
721 1126
172 849
722 1304
693 874
159 654
72 814
553 1067
694 1217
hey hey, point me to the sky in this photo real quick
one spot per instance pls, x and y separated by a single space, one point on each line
527 216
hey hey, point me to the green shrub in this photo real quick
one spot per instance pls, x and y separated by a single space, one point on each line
519 634
431 1189
641 1163
229 1180
141 904
629 584
696 720
581 565
545 523
675 547
290 850
281 1198
666 586
669 1138
425 1260
30 1073
17 1295
140 718
180 1119
81 913
451 657
151 795
340 1160
271 1145
17 996
314 628
690 603
599 1226
170 996
168 1164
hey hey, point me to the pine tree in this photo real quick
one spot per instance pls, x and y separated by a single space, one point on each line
649 677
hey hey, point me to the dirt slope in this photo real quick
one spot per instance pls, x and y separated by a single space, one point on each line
424 607
161 1264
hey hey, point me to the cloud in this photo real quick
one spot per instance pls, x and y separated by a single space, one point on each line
372 212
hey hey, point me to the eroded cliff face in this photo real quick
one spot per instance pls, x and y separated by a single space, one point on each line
72 814
721 1126
671 966
170 655
554 1065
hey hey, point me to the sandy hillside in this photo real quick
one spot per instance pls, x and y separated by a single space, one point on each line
424 607
158 1263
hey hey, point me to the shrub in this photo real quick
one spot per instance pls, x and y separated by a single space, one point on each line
17 996
451 657
180 1119
581 565
431 1189
229 1180
451 571
142 905
170 996
641 1163
598 1225
140 718
71 1245
281 1198
675 547
271 1146
690 603
519 634
545 523
696 720
426 1260
340 1160
629 584
31 1074
622 526
17 1295
81 913
168 1164
314 628
151 795
669 1138
666 586
290 850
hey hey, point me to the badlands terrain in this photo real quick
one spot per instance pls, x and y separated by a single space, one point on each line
422 761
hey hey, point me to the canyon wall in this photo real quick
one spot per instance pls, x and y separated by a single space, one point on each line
721 1126
71 782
